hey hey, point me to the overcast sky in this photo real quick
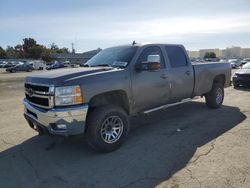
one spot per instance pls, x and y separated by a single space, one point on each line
91 23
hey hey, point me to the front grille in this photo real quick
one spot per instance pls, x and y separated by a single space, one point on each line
37 100
244 75
37 88
39 95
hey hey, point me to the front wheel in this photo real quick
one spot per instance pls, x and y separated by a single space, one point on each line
107 127
235 84
215 97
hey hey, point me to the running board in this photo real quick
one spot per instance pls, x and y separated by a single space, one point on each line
169 105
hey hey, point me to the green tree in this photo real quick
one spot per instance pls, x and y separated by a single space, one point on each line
27 44
19 53
3 53
54 47
62 51
46 55
209 55
10 52
36 51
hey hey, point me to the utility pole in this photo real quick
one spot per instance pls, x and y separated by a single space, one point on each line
72 46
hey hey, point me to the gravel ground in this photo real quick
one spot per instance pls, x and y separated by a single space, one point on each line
183 146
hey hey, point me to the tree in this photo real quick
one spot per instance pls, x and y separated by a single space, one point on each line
10 52
46 55
3 53
19 53
36 51
27 44
209 55
55 49
62 51
53 46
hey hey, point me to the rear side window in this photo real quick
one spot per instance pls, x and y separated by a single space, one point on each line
176 56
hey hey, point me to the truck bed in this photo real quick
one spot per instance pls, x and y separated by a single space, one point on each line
206 72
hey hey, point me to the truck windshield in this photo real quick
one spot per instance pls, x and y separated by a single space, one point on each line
113 57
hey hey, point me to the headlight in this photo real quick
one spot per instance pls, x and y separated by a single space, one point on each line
69 95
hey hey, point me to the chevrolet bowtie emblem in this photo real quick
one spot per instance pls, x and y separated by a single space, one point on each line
30 92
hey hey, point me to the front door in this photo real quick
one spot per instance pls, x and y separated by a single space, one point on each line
150 88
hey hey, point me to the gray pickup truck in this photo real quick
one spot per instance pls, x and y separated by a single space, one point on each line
119 82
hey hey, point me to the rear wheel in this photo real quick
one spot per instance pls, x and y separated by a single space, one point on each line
215 97
107 127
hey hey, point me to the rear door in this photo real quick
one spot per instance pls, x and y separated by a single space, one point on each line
181 73
150 88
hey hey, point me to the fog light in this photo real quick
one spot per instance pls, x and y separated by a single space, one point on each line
61 126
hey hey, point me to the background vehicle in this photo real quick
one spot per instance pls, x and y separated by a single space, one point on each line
21 67
3 63
242 76
234 63
244 61
7 65
98 99
38 65
56 65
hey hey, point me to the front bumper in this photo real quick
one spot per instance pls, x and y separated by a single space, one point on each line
241 81
61 121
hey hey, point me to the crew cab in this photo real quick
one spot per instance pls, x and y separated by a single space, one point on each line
118 82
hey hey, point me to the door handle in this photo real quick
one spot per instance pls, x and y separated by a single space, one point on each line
187 72
164 76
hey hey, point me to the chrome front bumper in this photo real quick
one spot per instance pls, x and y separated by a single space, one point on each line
63 121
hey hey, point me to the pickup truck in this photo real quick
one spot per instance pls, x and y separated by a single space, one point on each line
97 100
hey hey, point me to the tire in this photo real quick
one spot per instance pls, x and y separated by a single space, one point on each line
215 97
236 84
13 71
100 124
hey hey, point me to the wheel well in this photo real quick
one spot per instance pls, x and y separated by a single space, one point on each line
219 79
117 97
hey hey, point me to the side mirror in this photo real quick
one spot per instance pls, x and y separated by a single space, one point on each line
152 64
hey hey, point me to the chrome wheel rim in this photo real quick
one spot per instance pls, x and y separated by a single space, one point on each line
111 129
219 95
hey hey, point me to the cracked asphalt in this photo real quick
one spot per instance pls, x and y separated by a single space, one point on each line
183 146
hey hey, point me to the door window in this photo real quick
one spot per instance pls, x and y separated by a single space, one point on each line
176 56
152 52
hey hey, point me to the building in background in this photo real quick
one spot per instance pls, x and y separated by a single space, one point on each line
245 52
229 52
75 58
217 51
232 52
193 54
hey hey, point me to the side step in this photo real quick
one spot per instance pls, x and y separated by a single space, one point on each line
169 105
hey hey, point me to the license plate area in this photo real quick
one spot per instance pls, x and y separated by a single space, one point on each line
32 113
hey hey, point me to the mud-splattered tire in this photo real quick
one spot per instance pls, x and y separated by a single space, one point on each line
107 128
215 97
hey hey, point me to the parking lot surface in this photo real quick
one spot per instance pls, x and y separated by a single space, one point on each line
183 146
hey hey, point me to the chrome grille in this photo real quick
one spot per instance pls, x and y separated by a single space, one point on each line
40 95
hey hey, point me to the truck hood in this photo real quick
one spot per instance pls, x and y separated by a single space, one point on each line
53 77
243 71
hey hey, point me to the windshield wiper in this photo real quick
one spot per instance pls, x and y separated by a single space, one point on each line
101 65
